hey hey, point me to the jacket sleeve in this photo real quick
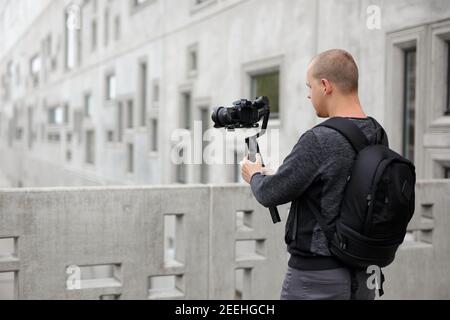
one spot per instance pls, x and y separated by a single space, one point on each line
300 168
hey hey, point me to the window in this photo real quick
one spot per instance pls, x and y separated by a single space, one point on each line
154 137
68 155
17 74
447 172
53 137
409 103
143 91
138 3
192 63
130 158
155 93
66 113
49 46
110 136
72 38
94 35
447 112
237 168
119 122
130 114
88 105
79 47
90 147
30 127
117 28
35 69
47 55
106 27
55 115
19 133
205 118
267 84
181 170
77 124
186 111
6 88
199 4
110 87
9 68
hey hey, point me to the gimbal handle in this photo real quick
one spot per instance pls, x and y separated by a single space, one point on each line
253 149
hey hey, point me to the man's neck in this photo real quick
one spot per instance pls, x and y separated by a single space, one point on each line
346 106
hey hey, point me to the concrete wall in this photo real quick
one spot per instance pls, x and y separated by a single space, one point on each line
48 230
56 228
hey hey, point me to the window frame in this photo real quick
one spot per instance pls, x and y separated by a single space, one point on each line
273 115
396 44
405 130
108 97
268 65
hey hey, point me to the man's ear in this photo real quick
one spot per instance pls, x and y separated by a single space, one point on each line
326 87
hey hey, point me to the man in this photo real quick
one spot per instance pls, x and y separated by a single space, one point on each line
313 178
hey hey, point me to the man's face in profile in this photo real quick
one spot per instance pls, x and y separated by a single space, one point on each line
316 93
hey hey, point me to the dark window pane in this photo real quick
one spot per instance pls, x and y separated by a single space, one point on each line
94 35
409 104
88 105
268 84
154 146
447 173
186 121
130 115
181 170
130 165
117 28
447 111
192 60
143 92
237 168
120 122
106 27
90 147
204 173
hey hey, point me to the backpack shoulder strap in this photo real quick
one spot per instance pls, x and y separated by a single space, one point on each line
382 137
349 130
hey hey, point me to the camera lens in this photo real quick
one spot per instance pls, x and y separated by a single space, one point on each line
220 117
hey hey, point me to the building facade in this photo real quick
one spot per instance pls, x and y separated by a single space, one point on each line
92 91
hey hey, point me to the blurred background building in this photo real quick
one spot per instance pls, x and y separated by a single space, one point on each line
92 90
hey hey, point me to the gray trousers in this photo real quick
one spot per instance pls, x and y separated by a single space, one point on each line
333 284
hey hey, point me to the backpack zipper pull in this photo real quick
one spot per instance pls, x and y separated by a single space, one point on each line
369 199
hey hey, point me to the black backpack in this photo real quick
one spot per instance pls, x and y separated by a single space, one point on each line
378 201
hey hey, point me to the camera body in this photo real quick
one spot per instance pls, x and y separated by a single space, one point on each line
243 114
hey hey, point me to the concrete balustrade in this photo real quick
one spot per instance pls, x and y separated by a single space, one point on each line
182 242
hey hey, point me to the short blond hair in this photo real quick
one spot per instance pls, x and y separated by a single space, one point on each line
339 67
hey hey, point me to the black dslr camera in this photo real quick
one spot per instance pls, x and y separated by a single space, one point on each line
246 114
243 114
